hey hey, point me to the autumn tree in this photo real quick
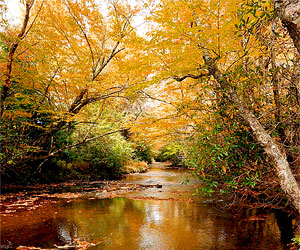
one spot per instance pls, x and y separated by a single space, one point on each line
66 56
224 48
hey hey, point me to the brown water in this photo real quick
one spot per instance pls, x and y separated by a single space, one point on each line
170 218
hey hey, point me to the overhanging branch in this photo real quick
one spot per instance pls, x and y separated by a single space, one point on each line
180 79
85 140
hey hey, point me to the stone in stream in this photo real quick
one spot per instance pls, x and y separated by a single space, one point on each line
102 195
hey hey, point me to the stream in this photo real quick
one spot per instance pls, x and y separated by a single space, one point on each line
152 210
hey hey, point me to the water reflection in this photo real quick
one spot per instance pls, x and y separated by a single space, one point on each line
123 223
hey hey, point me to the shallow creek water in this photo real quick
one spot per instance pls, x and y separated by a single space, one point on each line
160 217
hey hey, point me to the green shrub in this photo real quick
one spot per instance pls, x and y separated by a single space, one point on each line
143 152
104 158
174 153
226 159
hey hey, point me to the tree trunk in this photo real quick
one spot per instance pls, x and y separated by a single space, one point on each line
289 13
287 180
12 50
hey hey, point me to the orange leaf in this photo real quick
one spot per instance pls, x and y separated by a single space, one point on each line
224 169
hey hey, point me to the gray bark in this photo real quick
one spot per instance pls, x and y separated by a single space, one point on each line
289 13
287 180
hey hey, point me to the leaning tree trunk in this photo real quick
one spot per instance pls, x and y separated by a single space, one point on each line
287 180
289 13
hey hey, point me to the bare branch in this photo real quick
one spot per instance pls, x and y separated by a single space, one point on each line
113 53
154 98
45 158
86 38
34 19
11 56
95 122
180 79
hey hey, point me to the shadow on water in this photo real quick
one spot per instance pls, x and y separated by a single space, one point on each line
286 227
122 223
